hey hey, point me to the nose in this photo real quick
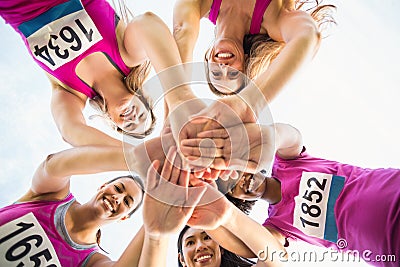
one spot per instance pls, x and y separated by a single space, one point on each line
200 246
133 118
224 68
117 198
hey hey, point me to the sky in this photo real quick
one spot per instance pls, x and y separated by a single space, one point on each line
345 103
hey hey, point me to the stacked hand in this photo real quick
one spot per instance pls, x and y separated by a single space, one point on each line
247 147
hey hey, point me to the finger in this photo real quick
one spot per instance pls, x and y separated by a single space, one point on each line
211 124
243 165
216 133
216 163
166 130
204 152
176 169
215 174
201 142
168 163
194 195
225 174
152 176
199 174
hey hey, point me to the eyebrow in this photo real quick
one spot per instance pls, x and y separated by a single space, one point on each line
130 197
192 236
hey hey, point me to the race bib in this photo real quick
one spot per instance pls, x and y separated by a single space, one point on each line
23 242
60 34
314 209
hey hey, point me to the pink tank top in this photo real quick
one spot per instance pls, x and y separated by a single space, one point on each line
336 205
256 19
59 34
34 223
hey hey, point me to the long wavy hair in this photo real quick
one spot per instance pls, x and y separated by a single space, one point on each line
133 81
260 49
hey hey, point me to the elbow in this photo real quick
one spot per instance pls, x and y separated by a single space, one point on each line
310 37
145 19
69 136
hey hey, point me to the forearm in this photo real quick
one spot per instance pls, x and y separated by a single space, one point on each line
85 160
230 242
186 38
133 253
161 49
255 236
288 140
144 154
154 251
84 135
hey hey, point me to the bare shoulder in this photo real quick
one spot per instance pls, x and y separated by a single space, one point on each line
99 260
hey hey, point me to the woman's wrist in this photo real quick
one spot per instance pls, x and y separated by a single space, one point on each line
254 99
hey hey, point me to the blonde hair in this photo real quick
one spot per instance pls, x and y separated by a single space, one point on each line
133 82
260 49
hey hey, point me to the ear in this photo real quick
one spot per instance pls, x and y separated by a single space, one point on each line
181 259
102 186
222 250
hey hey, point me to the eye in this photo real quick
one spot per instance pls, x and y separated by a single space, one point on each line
189 243
117 189
233 74
207 237
126 201
216 73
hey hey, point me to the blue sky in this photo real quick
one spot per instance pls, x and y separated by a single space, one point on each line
345 103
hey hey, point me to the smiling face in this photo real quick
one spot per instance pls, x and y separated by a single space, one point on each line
130 116
249 187
225 64
199 249
116 199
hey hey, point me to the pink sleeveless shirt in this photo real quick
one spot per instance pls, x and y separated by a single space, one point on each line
59 34
256 19
326 202
29 234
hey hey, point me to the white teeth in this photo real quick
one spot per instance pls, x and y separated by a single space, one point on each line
251 185
205 257
108 204
224 55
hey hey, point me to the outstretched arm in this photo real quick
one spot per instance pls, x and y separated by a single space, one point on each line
233 229
52 177
187 15
148 34
67 113
302 38
257 239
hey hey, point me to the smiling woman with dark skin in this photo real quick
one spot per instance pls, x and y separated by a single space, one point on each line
319 201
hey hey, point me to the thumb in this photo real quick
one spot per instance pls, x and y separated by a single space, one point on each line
243 165
202 117
152 174
194 196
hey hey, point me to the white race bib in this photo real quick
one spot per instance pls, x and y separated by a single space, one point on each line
61 34
314 208
23 242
